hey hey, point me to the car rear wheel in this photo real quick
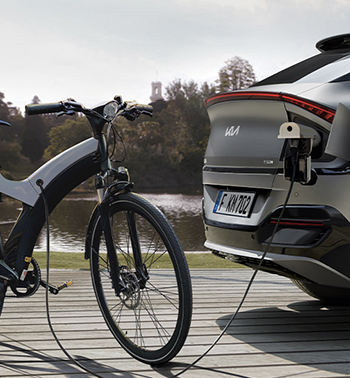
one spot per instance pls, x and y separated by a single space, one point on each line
327 294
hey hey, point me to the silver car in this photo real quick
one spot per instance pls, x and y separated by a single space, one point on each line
245 183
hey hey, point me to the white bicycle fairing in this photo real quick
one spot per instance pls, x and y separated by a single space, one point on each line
27 191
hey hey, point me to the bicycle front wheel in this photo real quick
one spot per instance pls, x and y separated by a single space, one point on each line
150 319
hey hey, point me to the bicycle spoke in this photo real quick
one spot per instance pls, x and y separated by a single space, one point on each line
163 293
152 315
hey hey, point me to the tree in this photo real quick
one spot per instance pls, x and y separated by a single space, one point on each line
4 110
167 150
207 89
34 138
144 145
187 125
36 100
10 155
236 74
5 132
72 131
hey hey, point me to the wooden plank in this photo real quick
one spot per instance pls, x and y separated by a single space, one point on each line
279 332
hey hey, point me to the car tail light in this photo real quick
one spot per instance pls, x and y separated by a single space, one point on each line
321 111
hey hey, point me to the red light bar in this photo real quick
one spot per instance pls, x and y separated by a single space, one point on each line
321 111
300 223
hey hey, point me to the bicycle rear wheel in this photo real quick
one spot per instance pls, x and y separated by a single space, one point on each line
152 318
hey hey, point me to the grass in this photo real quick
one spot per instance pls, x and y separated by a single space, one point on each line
66 260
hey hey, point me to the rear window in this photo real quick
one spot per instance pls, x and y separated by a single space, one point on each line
321 68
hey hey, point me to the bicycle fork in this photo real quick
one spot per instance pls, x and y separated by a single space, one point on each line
117 283
141 270
117 279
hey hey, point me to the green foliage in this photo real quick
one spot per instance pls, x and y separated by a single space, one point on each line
10 154
236 74
164 151
168 150
72 131
34 138
188 123
4 110
67 260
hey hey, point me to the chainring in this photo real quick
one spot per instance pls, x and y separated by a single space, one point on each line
31 283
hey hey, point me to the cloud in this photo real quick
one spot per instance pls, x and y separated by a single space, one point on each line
88 49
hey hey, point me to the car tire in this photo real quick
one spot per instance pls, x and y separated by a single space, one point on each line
326 294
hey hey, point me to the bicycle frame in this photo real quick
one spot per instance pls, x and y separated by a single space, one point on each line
55 179
58 176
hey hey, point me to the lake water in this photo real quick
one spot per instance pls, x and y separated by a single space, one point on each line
68 222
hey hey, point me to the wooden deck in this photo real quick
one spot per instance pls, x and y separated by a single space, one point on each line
279 332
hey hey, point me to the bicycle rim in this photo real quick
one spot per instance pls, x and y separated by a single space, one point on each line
152 318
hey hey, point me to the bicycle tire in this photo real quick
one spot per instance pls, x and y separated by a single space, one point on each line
152 322
3 288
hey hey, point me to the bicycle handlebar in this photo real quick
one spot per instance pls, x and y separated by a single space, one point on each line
129 110
54 107
132 111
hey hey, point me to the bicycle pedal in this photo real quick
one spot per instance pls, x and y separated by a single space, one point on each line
64 285
55 289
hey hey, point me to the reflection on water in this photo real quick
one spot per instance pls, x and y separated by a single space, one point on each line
68 222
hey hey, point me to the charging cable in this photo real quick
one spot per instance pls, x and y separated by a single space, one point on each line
40 184
294 160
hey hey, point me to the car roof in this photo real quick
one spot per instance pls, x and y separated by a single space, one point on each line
331 65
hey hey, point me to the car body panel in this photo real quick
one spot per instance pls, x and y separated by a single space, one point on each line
240 132
244 154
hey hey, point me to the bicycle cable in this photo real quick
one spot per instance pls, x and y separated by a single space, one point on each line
40 183
115 134
252 277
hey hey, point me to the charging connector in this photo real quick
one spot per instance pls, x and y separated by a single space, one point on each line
300 142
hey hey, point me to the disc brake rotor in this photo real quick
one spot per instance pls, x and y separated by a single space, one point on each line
131 295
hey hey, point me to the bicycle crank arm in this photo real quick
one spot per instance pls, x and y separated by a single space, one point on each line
55 289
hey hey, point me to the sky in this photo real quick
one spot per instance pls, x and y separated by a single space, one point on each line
91 50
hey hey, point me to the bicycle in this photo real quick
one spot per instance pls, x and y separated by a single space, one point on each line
126 238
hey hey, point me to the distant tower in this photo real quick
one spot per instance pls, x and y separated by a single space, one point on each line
156 91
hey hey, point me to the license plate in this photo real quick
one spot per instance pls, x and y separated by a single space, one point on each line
234 203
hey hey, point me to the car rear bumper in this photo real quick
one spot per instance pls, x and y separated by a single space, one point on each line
298 267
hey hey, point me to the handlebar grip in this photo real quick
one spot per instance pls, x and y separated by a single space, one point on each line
144 108
54 107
